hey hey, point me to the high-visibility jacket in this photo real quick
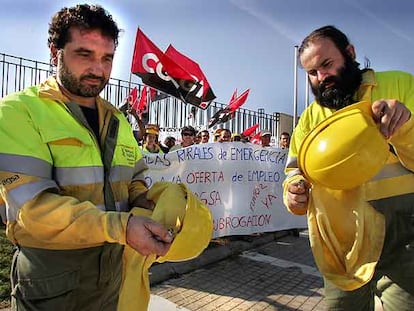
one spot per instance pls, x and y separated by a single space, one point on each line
62 187
346 232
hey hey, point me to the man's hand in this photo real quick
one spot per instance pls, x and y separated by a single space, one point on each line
147 236
390 114
298 197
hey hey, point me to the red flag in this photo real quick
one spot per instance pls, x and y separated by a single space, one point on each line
228 112
158 70
256 139
153 93
141 106
234 96
240 100
146 54
249 131
200 94
132 98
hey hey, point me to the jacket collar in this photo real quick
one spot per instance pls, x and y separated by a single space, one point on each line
50 89
368 82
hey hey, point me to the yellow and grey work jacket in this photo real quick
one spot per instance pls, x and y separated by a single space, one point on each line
346 233
62 187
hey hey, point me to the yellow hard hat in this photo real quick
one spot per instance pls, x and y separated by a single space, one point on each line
179 210
345 150
152 129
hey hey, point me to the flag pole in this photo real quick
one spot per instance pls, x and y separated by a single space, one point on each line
129 82
129 92
295 88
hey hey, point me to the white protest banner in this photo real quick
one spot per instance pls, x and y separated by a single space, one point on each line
241 183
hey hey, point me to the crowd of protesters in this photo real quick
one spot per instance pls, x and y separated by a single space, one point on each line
148 137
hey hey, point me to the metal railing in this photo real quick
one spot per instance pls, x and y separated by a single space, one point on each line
17 73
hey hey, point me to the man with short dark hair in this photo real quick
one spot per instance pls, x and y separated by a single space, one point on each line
284 140
75 171
167 144
187 137
362 238
205 136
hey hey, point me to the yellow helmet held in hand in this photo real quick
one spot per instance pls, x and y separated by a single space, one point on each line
190 221
345 150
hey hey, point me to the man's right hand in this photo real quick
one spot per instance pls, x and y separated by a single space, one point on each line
147 236
298 197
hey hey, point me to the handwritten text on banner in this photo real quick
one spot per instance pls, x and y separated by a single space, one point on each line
240 183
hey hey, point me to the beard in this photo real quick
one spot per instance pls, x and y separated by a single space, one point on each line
75 86
342 86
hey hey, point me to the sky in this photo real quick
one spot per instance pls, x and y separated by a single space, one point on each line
239 44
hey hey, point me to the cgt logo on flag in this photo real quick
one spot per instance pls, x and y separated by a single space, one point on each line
170 72
200 92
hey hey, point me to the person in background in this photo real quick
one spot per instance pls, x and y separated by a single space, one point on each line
216 134
150 144
139 133
205 136
235 137
363 238
284 140
197 138
225 136
265 137
187 137
77 171
167 144
244 138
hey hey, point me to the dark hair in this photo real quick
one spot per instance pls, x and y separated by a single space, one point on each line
284 134
83 16
340 40
169 138
188 128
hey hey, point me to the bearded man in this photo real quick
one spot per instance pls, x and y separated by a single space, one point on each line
362 239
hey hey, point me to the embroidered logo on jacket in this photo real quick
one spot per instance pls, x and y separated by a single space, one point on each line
129 154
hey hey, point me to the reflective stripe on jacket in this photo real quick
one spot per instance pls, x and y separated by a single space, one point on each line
61 187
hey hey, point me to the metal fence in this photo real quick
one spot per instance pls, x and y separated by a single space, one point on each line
17 73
